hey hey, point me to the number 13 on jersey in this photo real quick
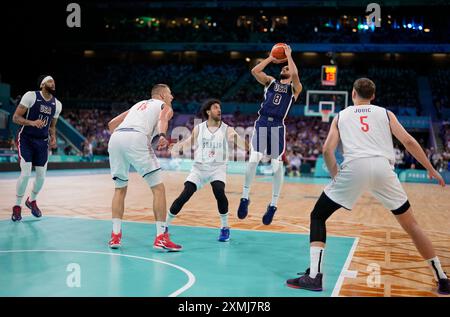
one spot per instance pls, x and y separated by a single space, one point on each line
365 125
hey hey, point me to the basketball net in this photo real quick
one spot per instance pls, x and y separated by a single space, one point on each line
325 115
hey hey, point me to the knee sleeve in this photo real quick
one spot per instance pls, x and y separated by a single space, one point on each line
276 165
41 171
189 189
39 181
25 168
323 209
255 157
219 192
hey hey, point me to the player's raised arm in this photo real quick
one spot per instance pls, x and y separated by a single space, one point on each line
259 74
115 122
298 87
413 147
329 148
241 143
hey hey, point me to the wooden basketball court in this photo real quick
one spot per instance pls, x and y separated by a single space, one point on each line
384 263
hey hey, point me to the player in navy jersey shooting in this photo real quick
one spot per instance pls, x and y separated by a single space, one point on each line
269 136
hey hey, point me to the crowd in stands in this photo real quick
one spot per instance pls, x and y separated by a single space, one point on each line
272 27
440 85
93 125
125 84
304 139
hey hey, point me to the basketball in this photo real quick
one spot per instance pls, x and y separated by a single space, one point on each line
278 51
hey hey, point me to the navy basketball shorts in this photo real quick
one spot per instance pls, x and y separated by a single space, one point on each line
269 138
33 150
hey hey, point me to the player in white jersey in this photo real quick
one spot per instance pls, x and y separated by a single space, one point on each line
366 131
210 140
130 144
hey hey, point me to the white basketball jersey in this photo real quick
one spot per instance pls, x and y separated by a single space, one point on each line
212 147
143 117
365 132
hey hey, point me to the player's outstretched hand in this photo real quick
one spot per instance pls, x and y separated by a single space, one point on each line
38 123
162 143
434 174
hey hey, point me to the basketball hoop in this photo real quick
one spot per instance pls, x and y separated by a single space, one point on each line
325 115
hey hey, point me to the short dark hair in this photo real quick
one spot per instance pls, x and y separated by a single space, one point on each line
207 106
157 88
364 87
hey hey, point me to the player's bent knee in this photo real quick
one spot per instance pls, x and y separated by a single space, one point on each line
41 171
323 209
158 189
120 183
402 209
121 190
219 192
255 157
186 194
25 169
153 179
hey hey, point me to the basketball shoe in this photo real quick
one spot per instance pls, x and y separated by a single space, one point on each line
163 242
35 211
115 243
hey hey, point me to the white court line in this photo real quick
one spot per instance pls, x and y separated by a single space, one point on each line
345 272
191 277
294 225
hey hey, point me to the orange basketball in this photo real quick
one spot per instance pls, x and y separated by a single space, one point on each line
278 51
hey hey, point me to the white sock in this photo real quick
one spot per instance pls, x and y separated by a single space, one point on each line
277 182
38 181
160 227
316 258
250 173
117 225
224 220
169 217
436 268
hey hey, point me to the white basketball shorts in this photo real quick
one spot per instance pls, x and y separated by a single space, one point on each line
202 174
131 148
374 174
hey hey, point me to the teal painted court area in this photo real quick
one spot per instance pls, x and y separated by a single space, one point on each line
54 255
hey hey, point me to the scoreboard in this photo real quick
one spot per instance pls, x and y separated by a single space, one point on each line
329 75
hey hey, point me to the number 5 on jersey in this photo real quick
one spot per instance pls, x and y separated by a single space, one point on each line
365 125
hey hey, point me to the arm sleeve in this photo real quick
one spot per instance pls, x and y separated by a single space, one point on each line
28 99
58 109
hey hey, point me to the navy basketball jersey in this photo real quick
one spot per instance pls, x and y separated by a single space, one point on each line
43 110
278 99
